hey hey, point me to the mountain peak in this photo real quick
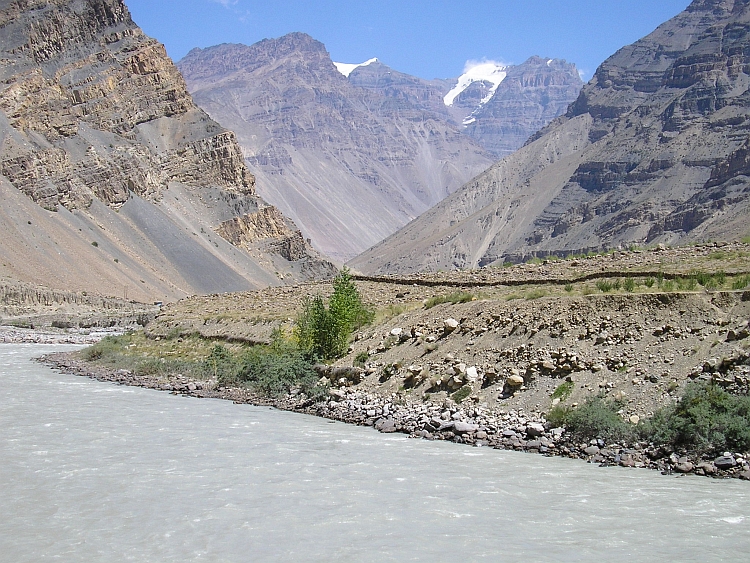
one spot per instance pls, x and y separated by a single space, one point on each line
478 71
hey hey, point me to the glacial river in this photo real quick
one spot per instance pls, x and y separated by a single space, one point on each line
95 472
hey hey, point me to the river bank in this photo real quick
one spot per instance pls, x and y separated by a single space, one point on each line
474 425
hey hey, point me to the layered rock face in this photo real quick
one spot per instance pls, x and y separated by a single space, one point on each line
97 127
352 158
654 150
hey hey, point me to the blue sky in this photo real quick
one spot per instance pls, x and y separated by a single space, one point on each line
425 38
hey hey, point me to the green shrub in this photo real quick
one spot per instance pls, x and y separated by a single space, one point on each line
453 298
361 359
686 284
706 419
106 347
629 285
649 282
596 418
741 282
221 364
274 370
667 285
568 287
604 285
563 391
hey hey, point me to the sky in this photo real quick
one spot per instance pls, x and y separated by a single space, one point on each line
424 38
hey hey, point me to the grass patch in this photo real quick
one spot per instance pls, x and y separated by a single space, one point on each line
389 312
452 298
741 282
629 285
568 287
460 395
535 294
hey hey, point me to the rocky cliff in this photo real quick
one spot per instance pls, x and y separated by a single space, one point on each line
654 150
353 157
112 179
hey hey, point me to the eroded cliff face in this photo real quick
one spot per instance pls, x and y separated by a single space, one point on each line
92 111
654 150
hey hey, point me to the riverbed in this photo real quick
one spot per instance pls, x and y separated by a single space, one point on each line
96 472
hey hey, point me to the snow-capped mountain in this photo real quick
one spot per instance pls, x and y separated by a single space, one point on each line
486 71
498 105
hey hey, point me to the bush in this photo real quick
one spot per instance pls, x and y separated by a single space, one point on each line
361 359
604 285
629 285
323 332
596 418
274 370
563 391
221 364
649 282
706 419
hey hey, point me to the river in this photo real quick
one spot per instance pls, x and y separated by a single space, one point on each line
95 472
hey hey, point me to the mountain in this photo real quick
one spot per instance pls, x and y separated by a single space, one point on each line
656 149
349 165
352 152
111 179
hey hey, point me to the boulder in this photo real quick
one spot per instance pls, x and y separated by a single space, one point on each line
464 427
449 325
725 462
515 381
534 429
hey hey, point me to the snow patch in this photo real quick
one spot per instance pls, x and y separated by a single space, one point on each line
549 62
346 69
489 71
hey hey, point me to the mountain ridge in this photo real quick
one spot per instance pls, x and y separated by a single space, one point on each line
350 159
659 157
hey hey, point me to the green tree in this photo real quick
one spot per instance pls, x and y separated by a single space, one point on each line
323 332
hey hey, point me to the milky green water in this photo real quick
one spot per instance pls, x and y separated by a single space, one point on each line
95 472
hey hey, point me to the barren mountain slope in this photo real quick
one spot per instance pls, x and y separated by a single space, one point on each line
111 179
655 149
